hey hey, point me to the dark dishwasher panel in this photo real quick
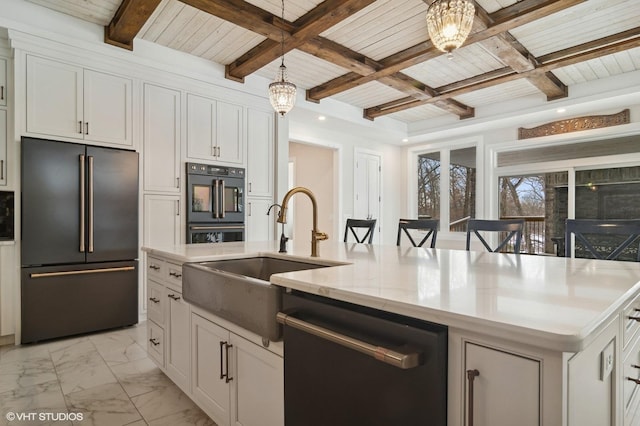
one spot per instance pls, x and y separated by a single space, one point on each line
327 383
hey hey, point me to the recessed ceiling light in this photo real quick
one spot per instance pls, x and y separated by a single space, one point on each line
322 117
405 140
561 110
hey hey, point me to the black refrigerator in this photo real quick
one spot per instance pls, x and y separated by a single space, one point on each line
79 239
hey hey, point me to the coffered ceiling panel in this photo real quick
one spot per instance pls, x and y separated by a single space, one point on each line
377 55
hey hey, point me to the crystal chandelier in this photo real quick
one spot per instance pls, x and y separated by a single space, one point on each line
449 23
282 93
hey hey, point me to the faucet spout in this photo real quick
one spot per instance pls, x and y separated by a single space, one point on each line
316 236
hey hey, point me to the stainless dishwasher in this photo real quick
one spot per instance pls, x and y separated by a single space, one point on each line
348 365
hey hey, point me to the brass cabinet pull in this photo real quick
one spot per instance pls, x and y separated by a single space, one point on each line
471 375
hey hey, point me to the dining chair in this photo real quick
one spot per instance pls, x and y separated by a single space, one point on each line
512 227
429 225
353 224
603 239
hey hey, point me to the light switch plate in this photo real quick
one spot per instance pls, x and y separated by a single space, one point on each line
607 361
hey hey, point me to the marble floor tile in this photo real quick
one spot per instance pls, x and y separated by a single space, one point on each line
117 348
104 405
41 398
82 371
140 376
12 353
194 416
26 373
162 402
138 333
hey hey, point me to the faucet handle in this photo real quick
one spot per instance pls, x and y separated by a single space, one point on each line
321 236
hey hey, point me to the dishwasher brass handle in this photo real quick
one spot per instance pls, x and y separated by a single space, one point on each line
388 356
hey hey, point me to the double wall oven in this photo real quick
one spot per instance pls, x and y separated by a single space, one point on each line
215 209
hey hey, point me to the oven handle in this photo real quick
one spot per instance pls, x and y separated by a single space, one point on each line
401 360
217 198
222 197
215 228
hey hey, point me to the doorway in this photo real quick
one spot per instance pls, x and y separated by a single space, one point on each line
313 167
368 188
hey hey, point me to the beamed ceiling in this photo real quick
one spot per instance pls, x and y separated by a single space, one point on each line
376 54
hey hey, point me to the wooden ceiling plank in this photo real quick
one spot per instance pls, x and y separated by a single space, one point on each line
322 17
337 54
528 11
243 14
550 85
128 21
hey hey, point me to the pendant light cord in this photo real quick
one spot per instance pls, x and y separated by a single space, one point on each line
282 34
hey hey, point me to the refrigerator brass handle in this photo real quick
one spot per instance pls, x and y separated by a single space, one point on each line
471 375
81 272
388 356
82 202
91 204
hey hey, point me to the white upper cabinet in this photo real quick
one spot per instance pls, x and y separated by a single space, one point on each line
3 82
68 101
260 225
214 130
161 139
260 153
3 147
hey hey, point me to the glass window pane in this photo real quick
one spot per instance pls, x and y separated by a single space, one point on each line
429 186
462 188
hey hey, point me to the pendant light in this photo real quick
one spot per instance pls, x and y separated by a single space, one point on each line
282 93
449 23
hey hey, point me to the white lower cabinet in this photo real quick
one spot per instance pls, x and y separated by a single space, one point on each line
505 387
235 381
155 345
259 224
177 358
161 220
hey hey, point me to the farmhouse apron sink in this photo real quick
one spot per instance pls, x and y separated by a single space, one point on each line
239 291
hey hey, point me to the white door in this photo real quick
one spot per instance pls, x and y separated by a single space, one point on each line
161 220
229 133
3 147
260 152
201 127
179 342
107 108
367 190
3 82
260 225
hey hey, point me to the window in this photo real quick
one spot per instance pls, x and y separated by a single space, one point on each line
451 172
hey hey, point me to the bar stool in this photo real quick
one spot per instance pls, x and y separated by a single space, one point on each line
353 224
608 248
430 225
513 227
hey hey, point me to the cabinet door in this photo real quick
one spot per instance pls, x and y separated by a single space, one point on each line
156 302
259 224
3 147
161 139
178 354
3 82
201 127
208 358
107 108
229 132
54 98
260 153
506 391
161 220
258 385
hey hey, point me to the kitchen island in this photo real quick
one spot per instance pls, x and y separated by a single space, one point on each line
554 340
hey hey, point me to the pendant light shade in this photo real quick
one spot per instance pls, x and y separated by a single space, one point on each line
282 93
449 23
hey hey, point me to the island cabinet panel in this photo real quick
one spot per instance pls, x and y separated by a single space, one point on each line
505 391
69 101
592 388
214 130
179 339
235 381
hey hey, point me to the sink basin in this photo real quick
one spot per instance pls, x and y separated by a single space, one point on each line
239 291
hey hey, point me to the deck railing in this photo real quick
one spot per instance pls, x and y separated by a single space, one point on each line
533 238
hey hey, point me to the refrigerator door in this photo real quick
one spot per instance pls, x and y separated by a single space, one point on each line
63 301
112 204
52 212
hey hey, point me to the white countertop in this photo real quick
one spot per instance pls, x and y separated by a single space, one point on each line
549 302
